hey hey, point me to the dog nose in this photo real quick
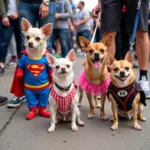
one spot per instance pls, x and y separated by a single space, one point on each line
63 69
30 44
96 55
122 73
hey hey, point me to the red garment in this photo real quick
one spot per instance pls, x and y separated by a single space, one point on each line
17 87
63 103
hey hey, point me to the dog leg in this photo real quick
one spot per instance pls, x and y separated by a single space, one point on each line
135 113
102 111
91 114
81 96
115 116
97 101
74 118
79 121
140 115
53 120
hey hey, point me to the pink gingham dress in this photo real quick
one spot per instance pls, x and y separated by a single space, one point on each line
63 103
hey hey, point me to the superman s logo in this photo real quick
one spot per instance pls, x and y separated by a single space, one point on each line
35 69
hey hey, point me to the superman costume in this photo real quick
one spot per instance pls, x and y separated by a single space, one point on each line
32 78
124 97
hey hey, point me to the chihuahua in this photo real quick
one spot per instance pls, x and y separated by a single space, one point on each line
126 96
63 98
94 79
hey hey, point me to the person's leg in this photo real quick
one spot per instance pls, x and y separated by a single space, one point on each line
63 38
49 19
17 32
42 98
29 12
110 20
142 41
6 34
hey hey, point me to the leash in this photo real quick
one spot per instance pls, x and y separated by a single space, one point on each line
93 37
133 36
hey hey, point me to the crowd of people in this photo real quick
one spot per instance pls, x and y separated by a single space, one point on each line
70 22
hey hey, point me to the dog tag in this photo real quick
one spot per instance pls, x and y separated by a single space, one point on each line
122 93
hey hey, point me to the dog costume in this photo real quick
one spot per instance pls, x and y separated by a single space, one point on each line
63 103
91 88
124 97
34 84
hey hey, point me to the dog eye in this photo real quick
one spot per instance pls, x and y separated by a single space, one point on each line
101 50
127 68
91 51
57 67
68 66
27 37
116 69
37 39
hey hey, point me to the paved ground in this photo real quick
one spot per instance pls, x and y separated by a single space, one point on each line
18 134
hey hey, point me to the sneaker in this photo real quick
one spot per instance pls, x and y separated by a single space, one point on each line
12 62
16 101
3 100
2 70
145 87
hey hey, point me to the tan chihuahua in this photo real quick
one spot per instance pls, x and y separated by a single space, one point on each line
126 96
94 79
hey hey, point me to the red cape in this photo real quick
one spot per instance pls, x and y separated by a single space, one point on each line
17 87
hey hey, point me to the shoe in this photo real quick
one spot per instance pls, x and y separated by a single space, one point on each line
145 86
43 112
135 65
3 100
2 70
16 101
32 113
57 56
12 63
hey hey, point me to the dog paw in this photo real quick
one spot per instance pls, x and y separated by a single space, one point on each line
80 123
137 127
98 105
51 129
114 127
74 128
90 116
104 118
142 119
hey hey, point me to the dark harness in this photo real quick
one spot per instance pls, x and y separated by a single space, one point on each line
124 97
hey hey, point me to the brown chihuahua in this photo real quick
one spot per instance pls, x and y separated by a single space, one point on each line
94 79
126 96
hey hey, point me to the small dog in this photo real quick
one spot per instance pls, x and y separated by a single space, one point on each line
33 74
63 98
94 79
126 96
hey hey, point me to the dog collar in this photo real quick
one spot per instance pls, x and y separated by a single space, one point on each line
62 88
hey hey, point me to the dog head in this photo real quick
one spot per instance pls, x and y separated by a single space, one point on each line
121 71
96 53
35 39
62 67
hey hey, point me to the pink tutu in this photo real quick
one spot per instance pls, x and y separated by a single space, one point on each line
92 88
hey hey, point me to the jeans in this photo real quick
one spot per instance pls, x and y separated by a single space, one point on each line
84 33
62 35
30 11
5 37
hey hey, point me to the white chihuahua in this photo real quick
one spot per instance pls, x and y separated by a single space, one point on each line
63 94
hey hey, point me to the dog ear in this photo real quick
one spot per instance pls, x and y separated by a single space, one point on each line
110 60
84 43
108 40
129 57
50 58
47 29
71 55
25 24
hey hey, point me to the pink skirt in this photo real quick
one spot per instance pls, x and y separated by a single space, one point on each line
92 88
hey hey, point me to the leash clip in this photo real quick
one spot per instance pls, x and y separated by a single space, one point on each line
139 4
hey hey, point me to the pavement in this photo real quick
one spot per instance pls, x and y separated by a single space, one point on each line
16 133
